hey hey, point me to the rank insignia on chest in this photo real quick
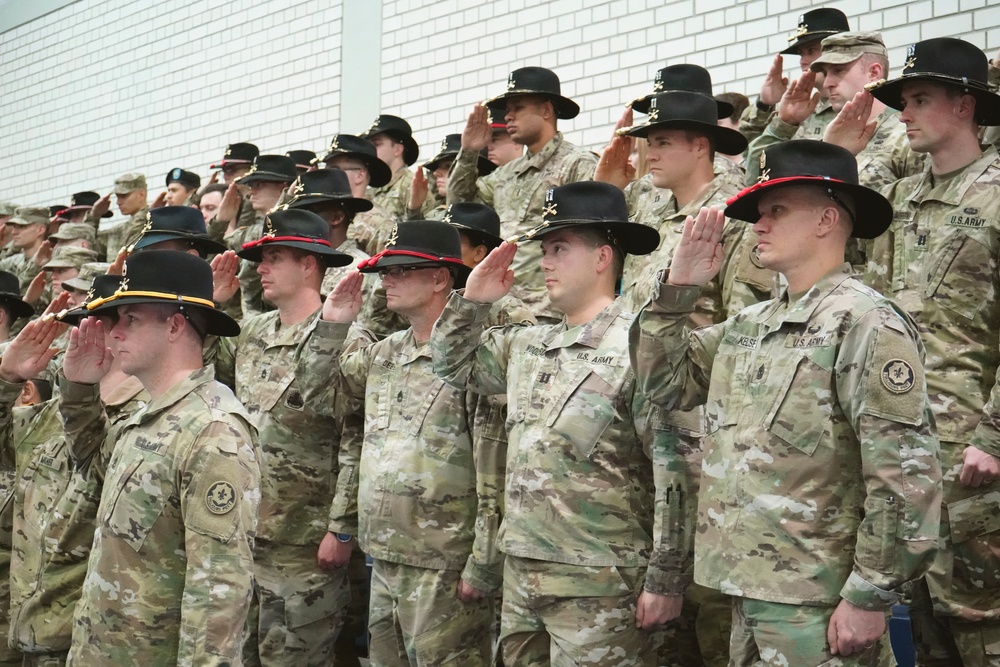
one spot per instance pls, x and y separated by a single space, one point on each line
897 376
221 498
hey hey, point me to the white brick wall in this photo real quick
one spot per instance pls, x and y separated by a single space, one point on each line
100 87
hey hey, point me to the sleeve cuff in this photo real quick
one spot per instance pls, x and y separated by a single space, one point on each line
466 309
9 391
481 577
74 392
781 129
864 594
987 439
673 298
662 582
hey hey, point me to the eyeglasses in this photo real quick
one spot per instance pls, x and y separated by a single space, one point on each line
397 272
833 195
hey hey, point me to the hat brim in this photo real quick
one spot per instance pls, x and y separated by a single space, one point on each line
73 209
17 306
793 48
352 204
220 165
461 270
217 323
483 165
873 213
634 238
565 107
330 257
890 93
77 284
641 104
271 176
379 173
201 243
464 228
727 141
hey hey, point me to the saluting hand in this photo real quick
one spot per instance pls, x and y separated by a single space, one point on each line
418 190
477 132
36 287
31 350
799 100
229 208
161 200
344 303
614 167
88 358
43 254
699 255
224 280
101 206
492 278
775 83
851 129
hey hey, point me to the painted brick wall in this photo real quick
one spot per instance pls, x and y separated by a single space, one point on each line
101 87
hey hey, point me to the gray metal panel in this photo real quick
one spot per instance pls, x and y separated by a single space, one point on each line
18 12
360 65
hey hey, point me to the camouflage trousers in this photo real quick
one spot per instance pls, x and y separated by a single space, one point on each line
941 641
57 659
297 609
570 615
417 620
700 636
352 643
770 634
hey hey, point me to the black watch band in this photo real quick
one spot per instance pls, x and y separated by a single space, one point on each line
766 108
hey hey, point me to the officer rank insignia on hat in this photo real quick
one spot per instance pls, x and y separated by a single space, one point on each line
897 376
447 215
550 206
510 81
394 236
911 57
229 151
221 498
802 30
765 174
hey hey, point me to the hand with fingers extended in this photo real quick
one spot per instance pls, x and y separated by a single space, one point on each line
699 255
492 278
161 200
344 303
31 350
87 358
775 83
224 279
43 254
614 166
418 190
229 208
102 206
36 287
851 129
117 267
799 100
477 132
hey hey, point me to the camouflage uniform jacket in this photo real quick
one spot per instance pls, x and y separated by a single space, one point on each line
579 486
115 238
8 485
741 282
251 293
753 121
23 267
171 572
374 316
821 477
284 378
55 506
419 469
517 192
395 195
887 157
778 131
371 229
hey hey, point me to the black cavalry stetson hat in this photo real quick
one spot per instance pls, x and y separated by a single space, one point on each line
399 130
326 185
805 162
355 147
420 242
102 287
84 201
303 159
476 218
168 223
188 179
10 296
817 24
945 60
689 78
449 149
599 205
296 228
275 168
240 153
169 277
679 110
538 81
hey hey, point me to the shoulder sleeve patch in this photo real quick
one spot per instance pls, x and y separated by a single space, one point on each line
896 387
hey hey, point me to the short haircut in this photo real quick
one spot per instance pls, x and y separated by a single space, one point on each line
43 387
739 101
868 59
595 237
215 187
477 238
692 134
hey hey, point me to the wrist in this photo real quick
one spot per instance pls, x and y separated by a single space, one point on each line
343 538
10 379
763 106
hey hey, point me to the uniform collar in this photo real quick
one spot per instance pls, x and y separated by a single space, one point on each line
952 191
803 309
175 394
589 334
541 158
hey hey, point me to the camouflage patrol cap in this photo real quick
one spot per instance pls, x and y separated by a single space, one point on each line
72 231
70 257
88 272
7 208
847 47
130 182
30 215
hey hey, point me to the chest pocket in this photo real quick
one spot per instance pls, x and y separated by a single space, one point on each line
804 406
139 501
961 279
277 382
588 406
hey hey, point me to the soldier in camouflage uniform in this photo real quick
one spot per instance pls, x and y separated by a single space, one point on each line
802 113
235 164
393 140
28 229
939 259
170 575
282 367
417 479
74 234
130 195
821 481
357 158
517 189
589 529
